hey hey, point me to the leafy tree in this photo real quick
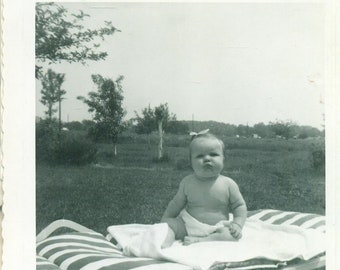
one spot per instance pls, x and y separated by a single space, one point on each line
177 127
309 132
88 124
282 128
130 125
263 130
243 130
60 36
217 128
146 123
106 104
51 91
162 116
46 138
74 125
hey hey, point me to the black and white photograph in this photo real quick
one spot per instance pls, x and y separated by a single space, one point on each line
174 136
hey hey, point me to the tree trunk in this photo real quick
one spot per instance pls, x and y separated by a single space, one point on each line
160 145
115 149
148 135
50 111
114 140
60 115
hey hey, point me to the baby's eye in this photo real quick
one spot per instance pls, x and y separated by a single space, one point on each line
214 154
199 156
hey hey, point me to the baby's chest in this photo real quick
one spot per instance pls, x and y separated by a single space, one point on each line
213 196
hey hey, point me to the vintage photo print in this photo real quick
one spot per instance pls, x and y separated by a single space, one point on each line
169 135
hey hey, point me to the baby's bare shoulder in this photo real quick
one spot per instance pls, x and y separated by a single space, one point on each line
226 180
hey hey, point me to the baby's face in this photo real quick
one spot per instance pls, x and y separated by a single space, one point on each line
206 157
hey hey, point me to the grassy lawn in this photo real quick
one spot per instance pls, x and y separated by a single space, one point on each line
134 188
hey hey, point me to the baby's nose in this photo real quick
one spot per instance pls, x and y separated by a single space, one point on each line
206 158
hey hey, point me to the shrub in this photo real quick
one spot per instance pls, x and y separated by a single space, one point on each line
74 149
46 137
62 147
318 159
97 135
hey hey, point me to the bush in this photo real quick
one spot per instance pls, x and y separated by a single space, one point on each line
62 147
318 159
74 150
46 137
97 135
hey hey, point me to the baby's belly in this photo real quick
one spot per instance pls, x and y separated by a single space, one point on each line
207 216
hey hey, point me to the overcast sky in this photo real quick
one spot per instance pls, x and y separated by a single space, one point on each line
234 63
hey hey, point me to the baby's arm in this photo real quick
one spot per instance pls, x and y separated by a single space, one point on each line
238 208
172 211
176 205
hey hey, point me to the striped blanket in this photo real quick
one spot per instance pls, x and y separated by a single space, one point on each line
278 217
91 250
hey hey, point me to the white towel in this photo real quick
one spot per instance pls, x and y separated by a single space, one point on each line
260 240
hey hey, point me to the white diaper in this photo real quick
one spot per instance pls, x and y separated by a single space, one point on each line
197 228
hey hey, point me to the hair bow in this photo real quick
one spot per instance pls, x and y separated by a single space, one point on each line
194 134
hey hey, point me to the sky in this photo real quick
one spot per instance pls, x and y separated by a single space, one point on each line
237 63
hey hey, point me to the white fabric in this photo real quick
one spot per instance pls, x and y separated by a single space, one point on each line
275 242
140 240
197 228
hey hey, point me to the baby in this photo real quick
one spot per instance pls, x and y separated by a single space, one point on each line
200 209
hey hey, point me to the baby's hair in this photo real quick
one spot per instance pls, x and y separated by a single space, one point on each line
206 135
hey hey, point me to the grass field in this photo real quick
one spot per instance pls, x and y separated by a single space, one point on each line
134 188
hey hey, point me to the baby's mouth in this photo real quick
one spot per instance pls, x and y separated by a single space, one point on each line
208 166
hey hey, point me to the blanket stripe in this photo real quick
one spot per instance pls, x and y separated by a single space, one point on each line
157 266
133 264
79 261
303 220
90 239
44 264
92 251
51 249
64 254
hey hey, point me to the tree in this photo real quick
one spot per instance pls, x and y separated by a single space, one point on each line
88 124
243 130
177 127
162 116
74 125
307 131
282 128
51 91
59 36
146 123
106 104
263 130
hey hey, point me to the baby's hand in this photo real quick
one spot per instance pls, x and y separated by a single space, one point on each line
226 223
190 240
235 230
